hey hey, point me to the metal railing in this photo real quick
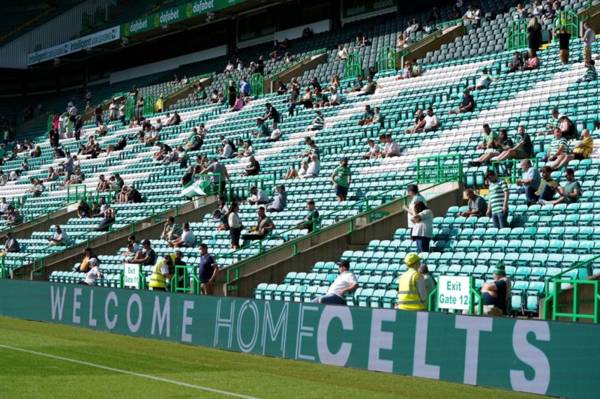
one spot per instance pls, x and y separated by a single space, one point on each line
510 169
363 207
569 20
387 59
353 66
516 35
439 168
553 287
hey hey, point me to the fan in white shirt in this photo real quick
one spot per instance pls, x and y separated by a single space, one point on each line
431 121
258 196
93 274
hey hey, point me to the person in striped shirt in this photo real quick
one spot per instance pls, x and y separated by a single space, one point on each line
558 146
497 200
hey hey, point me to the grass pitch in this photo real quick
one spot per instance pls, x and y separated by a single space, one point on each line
39 360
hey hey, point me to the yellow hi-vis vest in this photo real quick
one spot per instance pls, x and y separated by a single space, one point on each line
408 294
157 280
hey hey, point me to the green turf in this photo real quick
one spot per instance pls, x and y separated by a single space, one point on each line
24 375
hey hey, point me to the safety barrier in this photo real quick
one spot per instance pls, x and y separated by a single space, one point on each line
439 168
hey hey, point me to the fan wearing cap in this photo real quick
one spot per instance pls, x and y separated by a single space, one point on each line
412 288
93 274
344 283
495 294
341 179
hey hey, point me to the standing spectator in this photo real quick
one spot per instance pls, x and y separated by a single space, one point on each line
534 36
476 206
530 180
220 175
345 282
564 38
422 230
272 114
341 179
279 200
367 117
498 200
412 191
207 270
54 138
428 278
412 291
495 294
588 38
235 226
311 219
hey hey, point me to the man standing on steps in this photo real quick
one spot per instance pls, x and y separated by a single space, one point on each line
588 39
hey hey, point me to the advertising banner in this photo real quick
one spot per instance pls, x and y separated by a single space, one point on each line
551 358
175 14
82 43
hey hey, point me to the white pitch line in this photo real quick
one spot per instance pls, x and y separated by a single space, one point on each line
133 373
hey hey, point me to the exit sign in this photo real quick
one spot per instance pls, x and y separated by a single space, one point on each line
453 292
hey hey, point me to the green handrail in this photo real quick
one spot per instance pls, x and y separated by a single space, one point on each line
364 207
190 283
387 59
3 269
439 168
76 192
562 278
257 85
353 66
516 35
569 20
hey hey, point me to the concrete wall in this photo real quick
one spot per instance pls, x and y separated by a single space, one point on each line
110 243
420 49
294 71
330 243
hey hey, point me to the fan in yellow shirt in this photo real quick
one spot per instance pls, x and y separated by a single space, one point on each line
582 150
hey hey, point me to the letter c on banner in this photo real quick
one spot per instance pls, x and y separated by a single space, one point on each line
329 313
110 323
532 356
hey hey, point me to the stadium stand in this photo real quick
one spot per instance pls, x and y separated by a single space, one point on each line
543 240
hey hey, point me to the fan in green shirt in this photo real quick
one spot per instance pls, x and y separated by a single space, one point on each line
341 179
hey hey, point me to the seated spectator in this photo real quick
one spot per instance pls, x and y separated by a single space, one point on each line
83 210
373 152
567 127
186 240
93 274
378 117
247 151
132 249
336 98
412 28
281 88
532 62
530 180
175 119
262 130
495 295
583 150
13 216
484 81
358 84
311 220
238 103
228 150
59 237
590 72
402 41
391 148
307 98
570 192
548 187
488 138
318 123
108 219
477 206
84 265
472 16
171 230
275 135
37 187
558 146
146 255
407 72
342 53
369 88
253 167
431 121
501 144
3 206
345 282
258 196
419 122
467 104
279 200
103 184
11 245
264 226
516 64
522 150
367 117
